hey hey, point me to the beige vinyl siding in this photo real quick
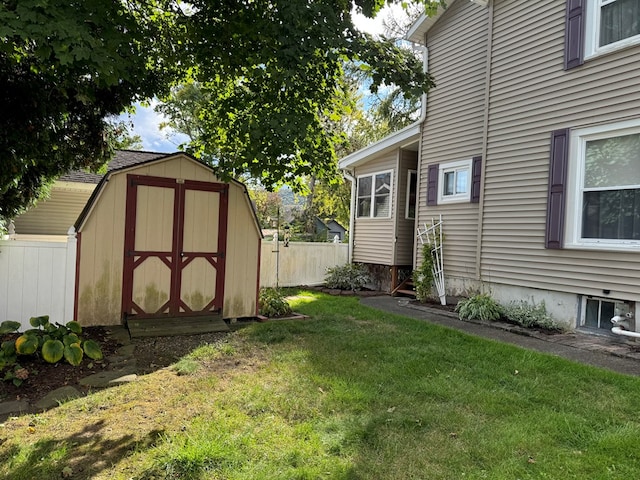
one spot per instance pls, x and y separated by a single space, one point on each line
243 252
405 228
56 214
531 95
373 238
453 129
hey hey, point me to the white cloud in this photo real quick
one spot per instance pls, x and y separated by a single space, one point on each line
374 25
146 123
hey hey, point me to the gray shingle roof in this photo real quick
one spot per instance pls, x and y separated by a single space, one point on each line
121 159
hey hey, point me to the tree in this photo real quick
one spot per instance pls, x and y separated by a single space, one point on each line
65 68
272 70
123 139
272 74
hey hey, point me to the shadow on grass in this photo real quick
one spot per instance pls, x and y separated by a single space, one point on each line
81 455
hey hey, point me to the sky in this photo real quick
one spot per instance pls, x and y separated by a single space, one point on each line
146 122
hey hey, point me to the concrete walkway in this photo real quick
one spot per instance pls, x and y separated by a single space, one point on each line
611 352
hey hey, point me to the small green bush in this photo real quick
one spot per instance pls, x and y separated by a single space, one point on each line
531 316
480 307
423 276
272 303
352 276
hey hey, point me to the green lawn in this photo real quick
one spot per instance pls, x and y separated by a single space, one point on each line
351 393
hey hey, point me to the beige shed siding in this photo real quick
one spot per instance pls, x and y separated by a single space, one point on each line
102 245
243 249
454 124
531 95
405 228
54 215
373 237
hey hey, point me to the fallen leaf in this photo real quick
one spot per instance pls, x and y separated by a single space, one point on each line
391 409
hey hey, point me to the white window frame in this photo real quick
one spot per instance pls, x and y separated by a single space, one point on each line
575 186
592 32
456 167
407 205
373 194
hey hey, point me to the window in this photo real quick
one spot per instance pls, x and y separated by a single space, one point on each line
374 195
611 24
598 312
603 207
454 182
412 186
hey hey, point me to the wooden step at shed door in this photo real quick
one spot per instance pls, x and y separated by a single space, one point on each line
170 326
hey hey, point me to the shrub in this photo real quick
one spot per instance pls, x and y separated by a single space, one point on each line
531 316
481 307
423 276
272 303
352 276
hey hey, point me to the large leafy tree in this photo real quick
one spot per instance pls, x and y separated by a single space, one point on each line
271 70
65 69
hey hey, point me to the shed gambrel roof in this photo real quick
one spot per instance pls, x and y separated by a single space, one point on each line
126 159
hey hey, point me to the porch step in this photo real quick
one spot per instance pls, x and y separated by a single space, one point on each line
405 292
171 326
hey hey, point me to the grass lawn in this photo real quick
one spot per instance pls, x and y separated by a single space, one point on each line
351 393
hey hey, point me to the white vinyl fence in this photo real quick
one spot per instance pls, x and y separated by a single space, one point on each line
300 263
37 278
37 274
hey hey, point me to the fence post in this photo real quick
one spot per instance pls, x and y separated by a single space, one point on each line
70 275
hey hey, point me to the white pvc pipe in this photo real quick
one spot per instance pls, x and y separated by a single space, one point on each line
627 333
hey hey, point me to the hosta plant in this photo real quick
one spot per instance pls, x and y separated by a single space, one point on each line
479 307
52 342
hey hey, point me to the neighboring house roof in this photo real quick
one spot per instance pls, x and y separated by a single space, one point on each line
407 137
122 159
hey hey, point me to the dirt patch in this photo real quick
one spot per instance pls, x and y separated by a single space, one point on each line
45 377
151 353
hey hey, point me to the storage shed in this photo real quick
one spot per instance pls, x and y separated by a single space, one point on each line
166 239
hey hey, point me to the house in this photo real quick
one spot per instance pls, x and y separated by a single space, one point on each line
329 229
158 237
529 148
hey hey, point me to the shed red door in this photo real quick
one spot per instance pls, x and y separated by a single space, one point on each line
175 241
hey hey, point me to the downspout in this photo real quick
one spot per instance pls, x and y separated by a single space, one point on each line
352 210
421 120
485 140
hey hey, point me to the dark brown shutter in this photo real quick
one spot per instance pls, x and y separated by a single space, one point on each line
432 184
476 177
574 34
557 186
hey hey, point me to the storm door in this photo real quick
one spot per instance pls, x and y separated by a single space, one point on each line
175 239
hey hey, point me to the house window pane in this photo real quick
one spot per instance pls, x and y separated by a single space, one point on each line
462 179
619 20
611 214
592 313
382 195
411 196
364 196
449 183
613 162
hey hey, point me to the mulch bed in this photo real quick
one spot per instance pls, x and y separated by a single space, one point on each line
45 377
